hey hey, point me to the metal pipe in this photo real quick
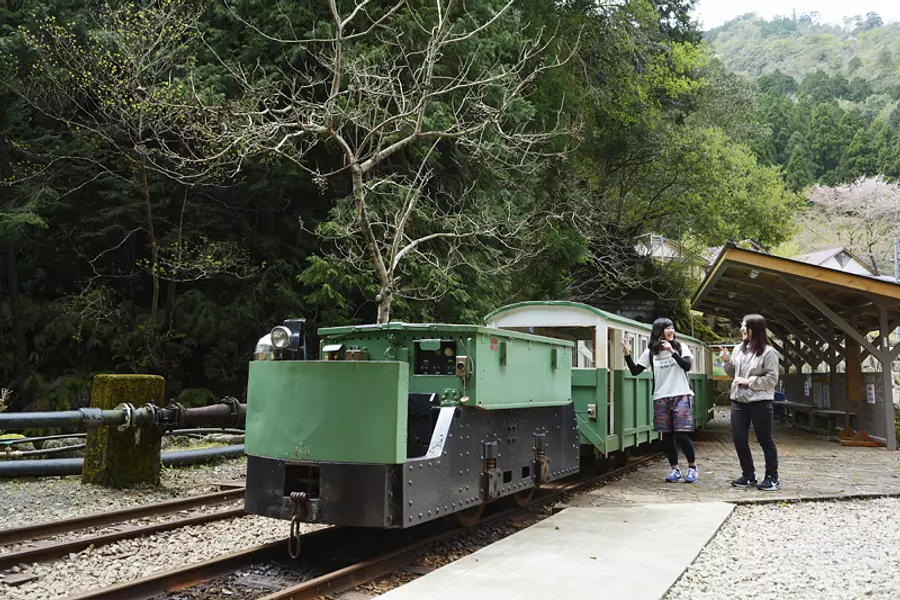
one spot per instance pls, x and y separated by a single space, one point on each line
43 438
203 430
223 414
83 417
229 413
73 466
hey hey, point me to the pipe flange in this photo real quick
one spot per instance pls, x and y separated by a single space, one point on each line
235 406
179 416
152 412
128 409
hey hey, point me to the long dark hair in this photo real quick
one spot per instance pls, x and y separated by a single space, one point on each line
657 335
759 339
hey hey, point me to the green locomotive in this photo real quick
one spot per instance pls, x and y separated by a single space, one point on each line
400 424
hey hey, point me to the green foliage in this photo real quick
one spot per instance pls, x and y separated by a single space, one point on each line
671 143
841 121
191 397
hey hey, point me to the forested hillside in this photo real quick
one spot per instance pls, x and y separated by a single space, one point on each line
179 176
829 94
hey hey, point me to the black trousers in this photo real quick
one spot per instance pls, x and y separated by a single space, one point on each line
762 415
687 446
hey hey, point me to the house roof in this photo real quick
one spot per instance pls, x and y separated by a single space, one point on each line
817 258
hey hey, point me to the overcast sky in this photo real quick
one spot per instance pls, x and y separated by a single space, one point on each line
713 13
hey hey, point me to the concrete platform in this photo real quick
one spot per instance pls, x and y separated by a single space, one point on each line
623 552
810 467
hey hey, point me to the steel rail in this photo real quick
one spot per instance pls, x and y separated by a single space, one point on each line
191 575
41 530
166 581
56 550
339 580
354 575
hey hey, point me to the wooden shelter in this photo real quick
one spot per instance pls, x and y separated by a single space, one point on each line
818 315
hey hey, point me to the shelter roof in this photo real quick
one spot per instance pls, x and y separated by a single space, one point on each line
784 290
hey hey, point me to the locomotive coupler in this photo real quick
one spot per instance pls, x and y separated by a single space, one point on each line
492 474
540 457
299 512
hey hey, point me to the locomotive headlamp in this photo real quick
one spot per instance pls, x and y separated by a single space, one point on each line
281 337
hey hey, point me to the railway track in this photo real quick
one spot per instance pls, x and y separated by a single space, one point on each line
40 550
396 549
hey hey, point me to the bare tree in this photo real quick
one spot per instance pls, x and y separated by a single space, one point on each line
401 91
862 216
119 87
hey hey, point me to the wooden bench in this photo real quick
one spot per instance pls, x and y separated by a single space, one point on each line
808 417
829 417
800 414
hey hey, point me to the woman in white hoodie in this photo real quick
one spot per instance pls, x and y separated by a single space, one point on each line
754 367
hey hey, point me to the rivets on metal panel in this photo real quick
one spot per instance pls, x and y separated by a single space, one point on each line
410 502
410 483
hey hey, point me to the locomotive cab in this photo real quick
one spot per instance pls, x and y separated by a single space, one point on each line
399 424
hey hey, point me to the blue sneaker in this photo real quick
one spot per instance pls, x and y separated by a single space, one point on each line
691 476
674 475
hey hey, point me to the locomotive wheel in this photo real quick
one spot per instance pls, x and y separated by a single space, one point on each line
469 517
523 498
622 457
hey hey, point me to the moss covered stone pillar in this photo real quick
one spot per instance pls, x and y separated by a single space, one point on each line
118 459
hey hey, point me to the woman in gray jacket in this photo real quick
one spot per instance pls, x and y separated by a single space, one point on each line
754 367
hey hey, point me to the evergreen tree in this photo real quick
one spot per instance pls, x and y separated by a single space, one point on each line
801 168
827 139
861 158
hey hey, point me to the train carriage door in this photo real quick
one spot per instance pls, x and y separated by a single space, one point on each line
610 369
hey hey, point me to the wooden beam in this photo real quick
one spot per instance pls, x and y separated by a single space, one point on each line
852 332
785 349
783 266
808 345
809 349
797 312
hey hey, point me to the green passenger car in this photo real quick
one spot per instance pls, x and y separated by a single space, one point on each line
614 409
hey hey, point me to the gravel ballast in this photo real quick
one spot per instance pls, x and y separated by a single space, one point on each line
38 500
821 550
136 558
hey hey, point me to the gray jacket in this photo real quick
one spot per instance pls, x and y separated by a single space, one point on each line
762 371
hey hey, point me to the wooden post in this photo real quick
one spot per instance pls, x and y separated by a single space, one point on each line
854 377
884 334
119 459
